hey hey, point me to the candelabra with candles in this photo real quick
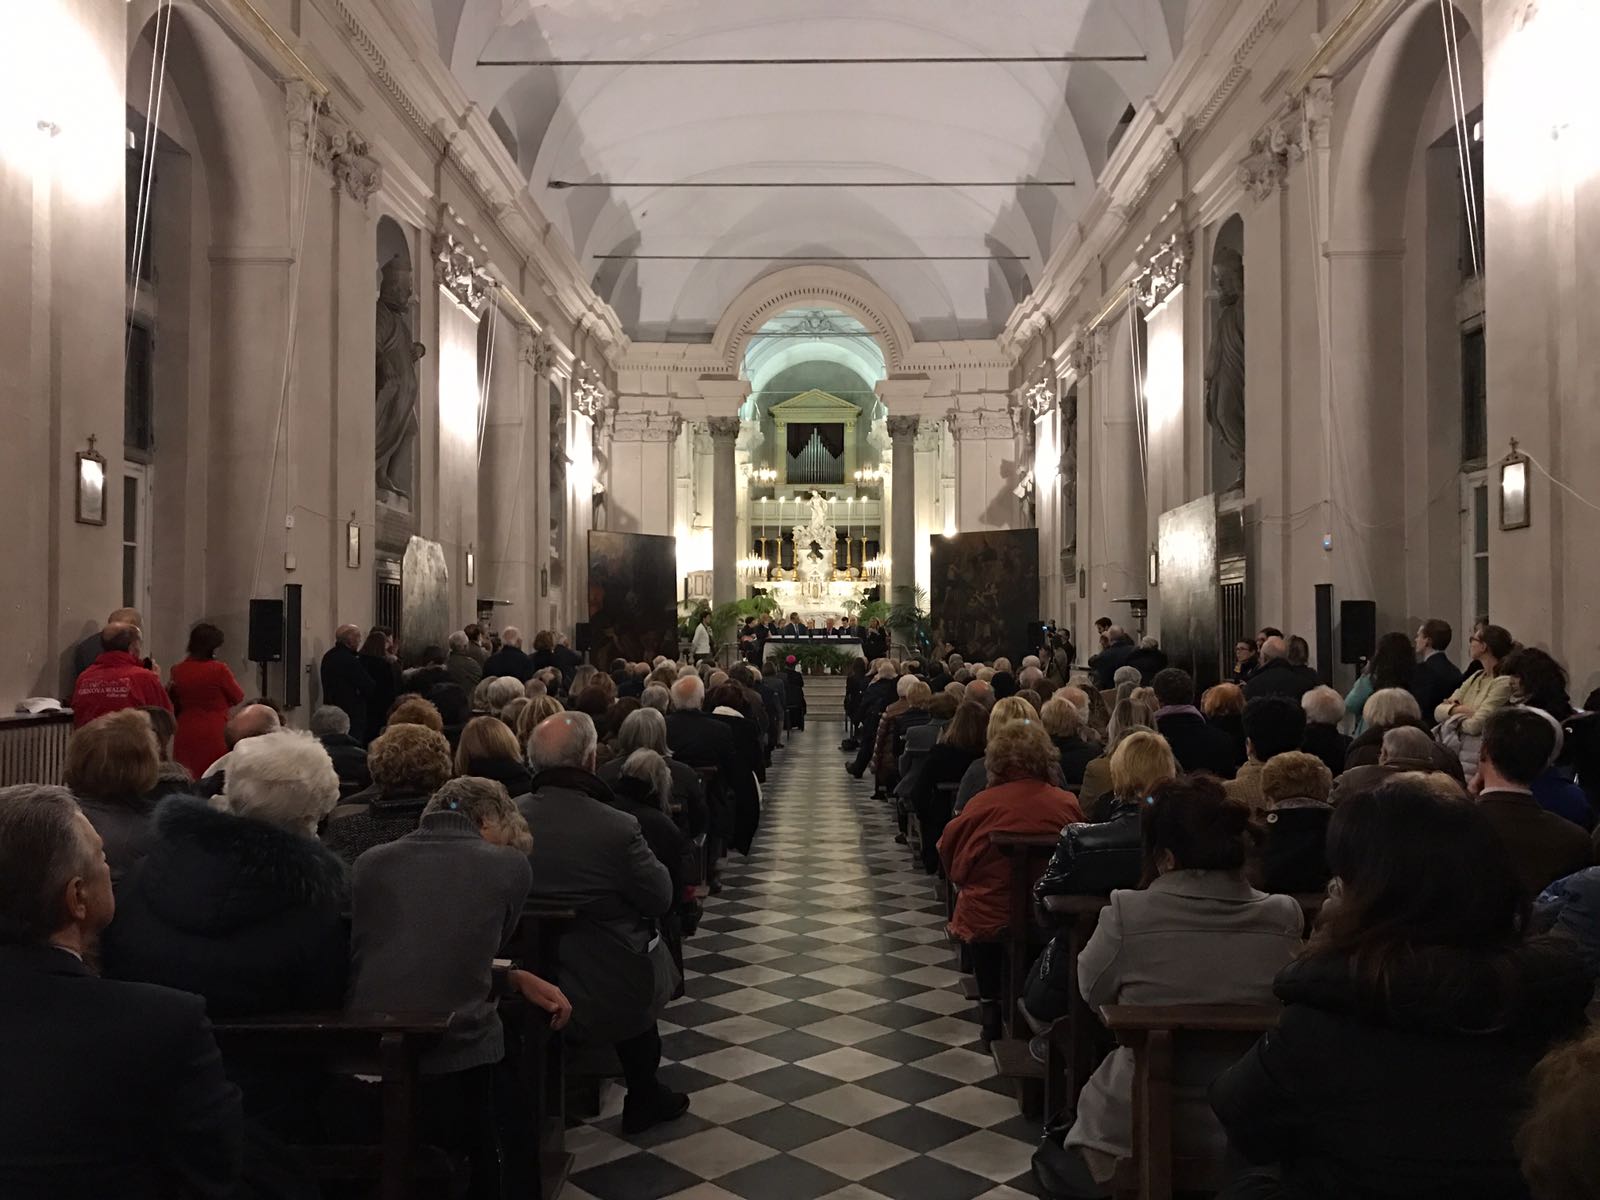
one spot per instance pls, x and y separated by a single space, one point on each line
877 567
868 476
764 475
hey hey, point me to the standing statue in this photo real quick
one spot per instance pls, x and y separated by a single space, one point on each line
1225 360
398 353
819 510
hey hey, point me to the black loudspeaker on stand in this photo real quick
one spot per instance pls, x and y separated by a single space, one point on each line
1358 630
266 631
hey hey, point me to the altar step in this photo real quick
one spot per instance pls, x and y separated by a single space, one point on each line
825 696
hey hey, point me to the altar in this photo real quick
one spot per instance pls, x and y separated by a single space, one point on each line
818 591
782 647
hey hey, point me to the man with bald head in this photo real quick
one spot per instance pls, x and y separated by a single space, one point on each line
345 681
591 856
1405 748
253 720
89 649
1119 649
117 678
1278 674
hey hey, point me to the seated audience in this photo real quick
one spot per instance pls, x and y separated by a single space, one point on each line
1411 1023
1434 676
1539 682
414 710
1149 659
172 777
1097 786
429 913
331 727
510 717
113 1089
256 719
502 690
1396 708
960 744
1518 746
1196 744
538 708
1196 933
1324 710
242 906
1021 762
643 790
1393 665
1405 748
408 764
906 713
646 729
1273 724
1097 858
1571 906
1556 1143
1295 788
489 750
464 667
1223 708
1279 673
510 660
117 678
1063 721
593 858
1008 710
113 768
1119 648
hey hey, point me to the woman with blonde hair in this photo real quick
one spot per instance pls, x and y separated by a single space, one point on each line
539 707
1022 764
1011 710
113 764
489 750
1127 718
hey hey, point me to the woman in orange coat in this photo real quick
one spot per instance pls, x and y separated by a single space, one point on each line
1022 798
203 690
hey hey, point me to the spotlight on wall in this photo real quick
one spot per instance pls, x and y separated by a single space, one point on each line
472 566
1514 500
1155 566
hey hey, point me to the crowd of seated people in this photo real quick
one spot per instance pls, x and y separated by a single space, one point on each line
1407 870
378 863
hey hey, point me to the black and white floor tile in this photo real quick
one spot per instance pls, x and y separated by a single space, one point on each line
824 1039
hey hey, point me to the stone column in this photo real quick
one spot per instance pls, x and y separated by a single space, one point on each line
724 510
506 473
903 514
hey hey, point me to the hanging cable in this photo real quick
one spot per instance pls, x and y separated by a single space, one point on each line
283 428
147 158
1458 105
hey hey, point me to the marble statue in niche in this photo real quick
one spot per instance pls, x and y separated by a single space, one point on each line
398 352
1225 360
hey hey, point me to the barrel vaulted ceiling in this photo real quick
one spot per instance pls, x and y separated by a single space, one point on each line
670 259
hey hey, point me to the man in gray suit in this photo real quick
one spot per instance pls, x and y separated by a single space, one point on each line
590 856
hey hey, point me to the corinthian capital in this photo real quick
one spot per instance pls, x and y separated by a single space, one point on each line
902 427
724 429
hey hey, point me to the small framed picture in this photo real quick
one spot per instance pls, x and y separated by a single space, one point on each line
91 505
352 543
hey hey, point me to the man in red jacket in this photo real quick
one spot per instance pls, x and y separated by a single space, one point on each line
116 680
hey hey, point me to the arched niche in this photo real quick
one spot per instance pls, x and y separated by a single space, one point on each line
393 254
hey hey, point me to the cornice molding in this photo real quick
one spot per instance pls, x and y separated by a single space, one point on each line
634 426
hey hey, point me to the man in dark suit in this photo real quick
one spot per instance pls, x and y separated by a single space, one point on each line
346 683
795 627
591 856
112 1089
1518 744
1119 649
1278 674
1436 677
702 740
509 659
1196 743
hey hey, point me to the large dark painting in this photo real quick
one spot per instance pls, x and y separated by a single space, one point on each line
1190 616
985 592
633 596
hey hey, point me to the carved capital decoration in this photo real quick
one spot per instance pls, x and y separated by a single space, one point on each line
1319 112
724 430
902 427
984 424
1086 353
1165 271
589 395
539 352
1265 168
460 272
930 437
1039 395
333 144
635 426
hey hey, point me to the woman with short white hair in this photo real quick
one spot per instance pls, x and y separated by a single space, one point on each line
1324 709
237 901
1395 708
646 729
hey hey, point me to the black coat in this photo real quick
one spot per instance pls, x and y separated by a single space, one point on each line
874 644
1328 744
945 764
702 740
509 771
1147 663
1280 678
370 819
349 762
1294 856
568 659
1076 754
1105 664
1433 682
385 676
1198 745
243 913
688 793
1094 858
1232 724
1405 1098
346 685
113 1089
509 660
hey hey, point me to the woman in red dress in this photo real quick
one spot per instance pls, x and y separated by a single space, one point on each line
203 690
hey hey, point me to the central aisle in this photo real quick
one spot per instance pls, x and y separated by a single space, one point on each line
824 1038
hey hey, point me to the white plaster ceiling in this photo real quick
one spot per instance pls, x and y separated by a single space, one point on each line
840 122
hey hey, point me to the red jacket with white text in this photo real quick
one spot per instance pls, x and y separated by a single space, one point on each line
115 681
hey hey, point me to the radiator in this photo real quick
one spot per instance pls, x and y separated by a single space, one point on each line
33 748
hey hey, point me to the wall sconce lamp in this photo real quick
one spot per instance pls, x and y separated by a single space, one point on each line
1155 566
472 566
1514 500
90 473
352 542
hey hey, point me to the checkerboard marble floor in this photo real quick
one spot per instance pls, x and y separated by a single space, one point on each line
824 1040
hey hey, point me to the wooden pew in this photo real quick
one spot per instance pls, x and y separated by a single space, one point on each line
385 1044
1028 855
1157 1036
539 1050
1074 1041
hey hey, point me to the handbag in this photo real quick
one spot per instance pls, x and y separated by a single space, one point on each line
668 979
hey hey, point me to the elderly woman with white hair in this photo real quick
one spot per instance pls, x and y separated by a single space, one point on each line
1324 709
237 901
646 729
1396 708
642 788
